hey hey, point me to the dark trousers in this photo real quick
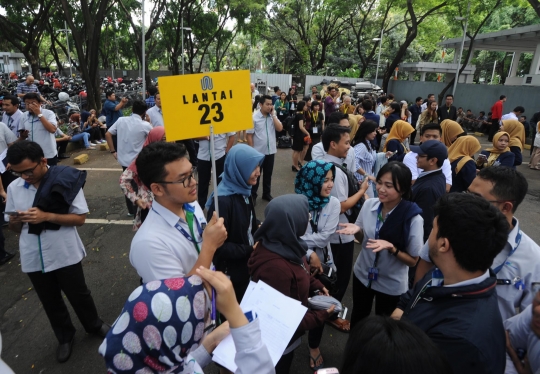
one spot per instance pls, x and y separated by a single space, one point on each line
52 161
132 209
363 302
190 148
343 259
413 135
204 169
95 133
62 146
267 168
284 364
70 280
493 128
7 178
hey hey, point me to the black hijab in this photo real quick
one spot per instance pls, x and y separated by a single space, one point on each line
286 220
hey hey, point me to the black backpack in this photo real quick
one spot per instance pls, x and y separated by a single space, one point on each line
288 125
354 187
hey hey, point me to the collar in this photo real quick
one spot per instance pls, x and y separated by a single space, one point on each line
513 233
472 281
332 158
171 218
375 208
261 115
424 173
371 112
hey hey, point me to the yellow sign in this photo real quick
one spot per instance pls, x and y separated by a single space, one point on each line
191 103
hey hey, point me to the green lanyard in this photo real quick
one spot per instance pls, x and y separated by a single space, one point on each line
189 220
267 138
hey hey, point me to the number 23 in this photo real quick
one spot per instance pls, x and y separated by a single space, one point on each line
206 109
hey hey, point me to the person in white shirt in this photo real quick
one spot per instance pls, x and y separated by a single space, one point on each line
39 125
131 133
50 247
515 114
431 131
12 114
155 113
175 239
222 144
263 138
518 264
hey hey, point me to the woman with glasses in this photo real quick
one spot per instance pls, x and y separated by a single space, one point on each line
241 170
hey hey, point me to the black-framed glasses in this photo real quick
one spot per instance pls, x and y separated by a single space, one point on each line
489 201
27 173
183 181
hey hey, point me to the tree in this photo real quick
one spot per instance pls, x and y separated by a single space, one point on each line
23 26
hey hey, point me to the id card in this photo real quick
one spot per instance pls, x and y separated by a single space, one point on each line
373 274
315 130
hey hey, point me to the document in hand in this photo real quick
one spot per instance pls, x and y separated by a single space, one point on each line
279 317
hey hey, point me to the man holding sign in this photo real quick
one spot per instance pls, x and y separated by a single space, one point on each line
263 138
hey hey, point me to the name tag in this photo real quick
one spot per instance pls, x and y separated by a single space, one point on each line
373 274
315 130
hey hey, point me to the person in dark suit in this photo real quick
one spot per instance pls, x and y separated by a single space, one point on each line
447 111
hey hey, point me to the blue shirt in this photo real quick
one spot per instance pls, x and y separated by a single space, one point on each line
462 180
110 113
415 110
504 159
372 116
150 102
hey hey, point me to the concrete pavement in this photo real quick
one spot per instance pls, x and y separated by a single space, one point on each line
29 345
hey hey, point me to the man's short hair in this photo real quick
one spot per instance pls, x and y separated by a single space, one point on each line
276 89
519 109
449 95
152 91
482 113
502 97
139 107
333 133
14 99
476 229
314 104
524 117
263 98
21 151
508 184
468 110
154 157
430 126
318 97
331 88
336 117
108 94
418 99
367 105
429 95
391 96
383 99
33 96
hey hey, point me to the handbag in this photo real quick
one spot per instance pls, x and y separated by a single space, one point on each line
328 277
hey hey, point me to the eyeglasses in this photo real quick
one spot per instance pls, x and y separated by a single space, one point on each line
183 181
27 173
489 201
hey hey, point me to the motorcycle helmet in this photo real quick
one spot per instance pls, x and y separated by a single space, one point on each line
63 96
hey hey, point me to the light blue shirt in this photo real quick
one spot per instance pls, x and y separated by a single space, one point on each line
220 145
522 336
131 133
264 133
156 116
13 121
38 133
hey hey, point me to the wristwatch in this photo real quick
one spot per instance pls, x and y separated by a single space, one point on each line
40 115
396 252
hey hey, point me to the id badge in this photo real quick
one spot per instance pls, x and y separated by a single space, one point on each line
315 130
373 274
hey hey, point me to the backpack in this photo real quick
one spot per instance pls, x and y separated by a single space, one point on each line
354 187
288 125
284 142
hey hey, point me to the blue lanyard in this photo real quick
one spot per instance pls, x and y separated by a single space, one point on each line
379 221
184 232
518 242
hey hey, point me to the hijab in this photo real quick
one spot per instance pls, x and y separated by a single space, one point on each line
354 120
309 181
495 152
450 129
400 131
286 220
155 135
162 322
464 147
239 164
516 130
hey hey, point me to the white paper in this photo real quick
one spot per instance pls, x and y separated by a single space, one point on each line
279 317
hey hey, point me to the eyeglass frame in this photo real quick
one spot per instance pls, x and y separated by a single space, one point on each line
183 181
27 172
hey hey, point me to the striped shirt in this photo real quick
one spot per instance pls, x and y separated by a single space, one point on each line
365 159
23 88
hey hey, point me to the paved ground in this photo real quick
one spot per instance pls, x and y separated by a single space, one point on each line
29 343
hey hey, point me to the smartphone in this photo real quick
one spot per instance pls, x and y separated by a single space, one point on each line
12 213
327 371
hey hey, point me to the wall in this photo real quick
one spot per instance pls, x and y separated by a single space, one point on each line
283 81
476 97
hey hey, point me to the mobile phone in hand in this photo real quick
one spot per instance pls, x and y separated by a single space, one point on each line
327 371
12 213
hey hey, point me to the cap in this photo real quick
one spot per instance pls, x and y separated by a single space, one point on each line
431 148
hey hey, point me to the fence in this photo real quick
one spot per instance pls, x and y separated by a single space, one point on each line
261 80
315 80
476 97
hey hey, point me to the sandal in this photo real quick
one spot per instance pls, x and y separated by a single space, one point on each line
314 360
340 324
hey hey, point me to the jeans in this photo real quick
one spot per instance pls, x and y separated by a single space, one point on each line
267 168
204 169
84 136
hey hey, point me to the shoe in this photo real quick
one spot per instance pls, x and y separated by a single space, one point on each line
63 156
267 197
300 165
294 169
64 351
8 256
94 142
103 141
91 148
130 214
103 330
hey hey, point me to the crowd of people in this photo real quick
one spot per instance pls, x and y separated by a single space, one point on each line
452 279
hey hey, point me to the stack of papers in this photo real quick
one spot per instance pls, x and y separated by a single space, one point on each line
279 317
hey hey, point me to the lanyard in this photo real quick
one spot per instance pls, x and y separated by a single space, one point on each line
377 229
188 210
10 121
267 138
518 242
315 117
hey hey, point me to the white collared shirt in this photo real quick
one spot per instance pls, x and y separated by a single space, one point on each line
13 121
59 248
318 153
156 116
264 133
510 115
393 274
6 137
38 133
220 145
131 133
160 251
523 337
524 264
410 161
471 281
